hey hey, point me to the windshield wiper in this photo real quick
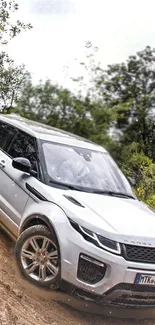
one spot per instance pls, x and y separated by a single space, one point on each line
112 193
90 190
66 186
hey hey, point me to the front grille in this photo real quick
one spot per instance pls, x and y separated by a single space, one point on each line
90 270
139 254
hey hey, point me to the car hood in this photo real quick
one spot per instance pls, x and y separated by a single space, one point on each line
122 216
129 219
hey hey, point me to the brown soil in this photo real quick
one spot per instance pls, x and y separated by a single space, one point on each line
22 304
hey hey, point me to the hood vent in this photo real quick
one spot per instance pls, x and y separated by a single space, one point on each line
71 199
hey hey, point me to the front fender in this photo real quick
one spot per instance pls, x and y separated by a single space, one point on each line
51 213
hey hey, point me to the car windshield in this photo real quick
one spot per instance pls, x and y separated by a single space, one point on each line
83 167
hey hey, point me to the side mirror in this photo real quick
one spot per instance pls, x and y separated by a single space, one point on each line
22 164
132 181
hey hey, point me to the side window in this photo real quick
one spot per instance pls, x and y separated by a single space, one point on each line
24 146
6 133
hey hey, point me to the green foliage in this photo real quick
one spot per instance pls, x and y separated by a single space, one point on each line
136 165
9 30
56 106
129 88
11 77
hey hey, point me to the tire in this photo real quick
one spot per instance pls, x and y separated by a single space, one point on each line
32 251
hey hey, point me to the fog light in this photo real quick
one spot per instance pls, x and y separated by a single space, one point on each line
90 270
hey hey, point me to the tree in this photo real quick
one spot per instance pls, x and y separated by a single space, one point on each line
9 30
91 70
11 80
57 106
129 88
54 105
11 77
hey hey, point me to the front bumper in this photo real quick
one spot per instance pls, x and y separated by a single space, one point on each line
117 287
122 295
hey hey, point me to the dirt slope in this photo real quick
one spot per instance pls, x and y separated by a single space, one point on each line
21 304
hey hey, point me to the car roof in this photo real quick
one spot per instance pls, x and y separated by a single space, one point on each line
48 133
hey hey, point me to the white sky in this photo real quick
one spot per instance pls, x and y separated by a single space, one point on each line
61 27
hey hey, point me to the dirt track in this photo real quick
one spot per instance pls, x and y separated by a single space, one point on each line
21 304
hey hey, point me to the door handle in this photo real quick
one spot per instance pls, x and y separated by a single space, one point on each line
2 163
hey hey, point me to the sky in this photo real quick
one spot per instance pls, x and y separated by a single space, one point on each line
56 44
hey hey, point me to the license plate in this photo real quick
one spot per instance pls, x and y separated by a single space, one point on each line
145 279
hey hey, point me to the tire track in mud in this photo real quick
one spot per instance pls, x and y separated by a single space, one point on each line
22 304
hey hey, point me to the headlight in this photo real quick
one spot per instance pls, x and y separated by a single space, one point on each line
98 240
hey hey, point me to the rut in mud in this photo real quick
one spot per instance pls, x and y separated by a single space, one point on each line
21 304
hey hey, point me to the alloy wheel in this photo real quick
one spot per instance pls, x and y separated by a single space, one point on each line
39 258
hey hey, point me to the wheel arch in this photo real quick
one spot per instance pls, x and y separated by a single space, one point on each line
36 219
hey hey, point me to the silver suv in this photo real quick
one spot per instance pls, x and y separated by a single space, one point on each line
72 213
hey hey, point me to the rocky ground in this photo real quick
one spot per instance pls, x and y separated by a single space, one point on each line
21 304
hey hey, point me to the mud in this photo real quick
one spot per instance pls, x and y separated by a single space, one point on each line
23 304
